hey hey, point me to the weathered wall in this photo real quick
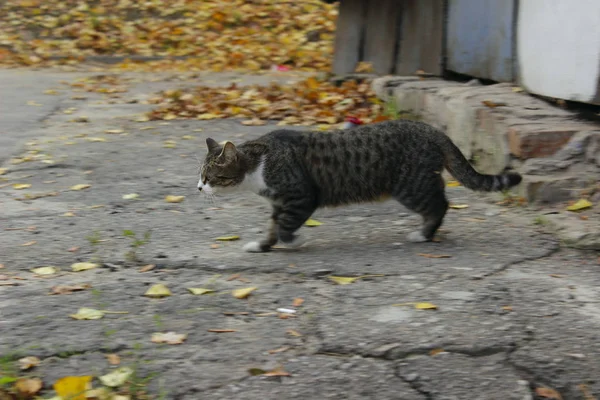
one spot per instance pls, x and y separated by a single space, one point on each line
558 48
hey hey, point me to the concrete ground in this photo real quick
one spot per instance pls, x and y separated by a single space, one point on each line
516 317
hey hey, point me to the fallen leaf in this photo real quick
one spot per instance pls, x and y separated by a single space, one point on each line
26 363
548 393
507 308
85 313
114 131
214 246
96 139
3 171
587 394
28 387
293 332
80 186
45 270
73 387
256 371
200 291
459 206
21 186
581 204
131 196
157 291
297 302
1 266
254 122
222 330
313 222
279 350
68 289
174 199
83 266
557 276
425 306
492 104
73 249
69 214
517 89
347 280
434 255
102 393
434 352
243 293
228 238
168 338
113 359
278 371
147 268
29 243
117 377
453 183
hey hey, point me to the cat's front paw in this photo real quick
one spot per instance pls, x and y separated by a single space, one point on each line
416 237
253 247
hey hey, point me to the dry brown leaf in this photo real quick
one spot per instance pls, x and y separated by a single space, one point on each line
279 371
297 302
28 387
29 243
548 393
113 359
434 255
222 330
68 289
73 249
492 104
168 338
293 332
434 352
29 362
279 350
147 268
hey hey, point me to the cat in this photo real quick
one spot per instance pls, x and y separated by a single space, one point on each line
300 171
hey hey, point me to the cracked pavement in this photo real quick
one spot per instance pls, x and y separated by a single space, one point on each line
515 311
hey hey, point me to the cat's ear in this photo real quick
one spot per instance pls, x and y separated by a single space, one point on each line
229 152
211 144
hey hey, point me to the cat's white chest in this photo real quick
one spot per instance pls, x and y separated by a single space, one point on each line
255 180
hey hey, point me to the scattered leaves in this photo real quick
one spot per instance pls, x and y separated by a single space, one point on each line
117 377
73 387
80 186
581 204
157 291
68 289
87 313
168 338
426 255
83 266
45 270
548 393
200 291
21 186
227 238
312 223
28 387
243 293
174 199
29 362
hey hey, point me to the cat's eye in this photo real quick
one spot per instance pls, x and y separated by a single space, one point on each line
226 178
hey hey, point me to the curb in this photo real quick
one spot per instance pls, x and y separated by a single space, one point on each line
499 126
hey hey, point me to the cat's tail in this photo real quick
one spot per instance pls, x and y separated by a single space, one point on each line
462 170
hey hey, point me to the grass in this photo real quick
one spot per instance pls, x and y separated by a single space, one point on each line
135 244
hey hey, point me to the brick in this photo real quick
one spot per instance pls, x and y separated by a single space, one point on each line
527 142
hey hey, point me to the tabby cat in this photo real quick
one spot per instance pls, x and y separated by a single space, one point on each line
299 171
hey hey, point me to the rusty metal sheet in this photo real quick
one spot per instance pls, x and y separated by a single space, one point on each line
480 37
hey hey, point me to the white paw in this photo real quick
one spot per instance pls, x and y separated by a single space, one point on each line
416 237
252 247
294 244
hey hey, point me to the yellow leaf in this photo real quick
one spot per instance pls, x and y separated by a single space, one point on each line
436 351
200 291
45 270
312 83
188 137
27 387
3 171
157 291
73 387
114 131
425 306
254 122
80 186
580 205
50 91
96 139
117 377
169 117
517 89
83 266
87 313
453 183
343 280
174 199
131 196
313 222
228 238
69 214
459 206
243 293
168 338
29 243
142 119
28 362
21 186
207 116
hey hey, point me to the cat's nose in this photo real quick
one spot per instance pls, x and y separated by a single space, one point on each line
200 188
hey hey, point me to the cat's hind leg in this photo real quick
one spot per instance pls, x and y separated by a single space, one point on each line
429 200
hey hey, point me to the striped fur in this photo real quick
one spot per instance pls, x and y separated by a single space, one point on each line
302 171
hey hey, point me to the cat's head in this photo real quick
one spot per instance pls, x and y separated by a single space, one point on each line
222 168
